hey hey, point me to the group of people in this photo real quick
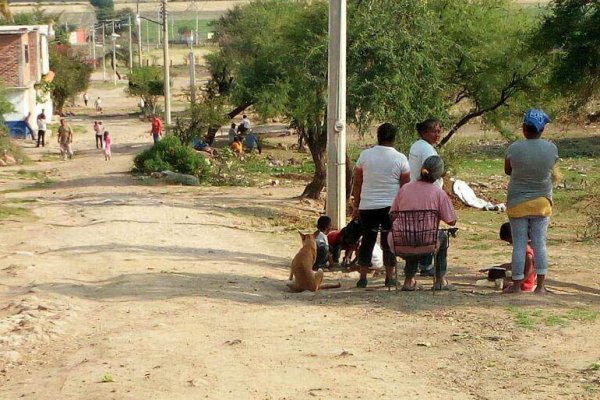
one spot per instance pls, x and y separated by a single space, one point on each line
97 102
387 182
242 139
103 139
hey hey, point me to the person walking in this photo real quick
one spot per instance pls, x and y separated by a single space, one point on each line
107 142
98 105
379 173
429 133
98 133
65 139
86 99
530 164
41 124
156 128
29 127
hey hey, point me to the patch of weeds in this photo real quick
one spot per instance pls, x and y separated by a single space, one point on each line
50 157
8 212
554 320
107 378
594 366
522 318
32 175
581 314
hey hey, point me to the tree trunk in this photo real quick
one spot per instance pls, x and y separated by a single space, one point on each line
315 187
240 109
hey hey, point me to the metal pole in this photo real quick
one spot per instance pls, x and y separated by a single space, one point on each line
192 72
167 77
148 39
130 45
103 54
139 34
172 27
336 115
114 55
197 38
94 46
158 30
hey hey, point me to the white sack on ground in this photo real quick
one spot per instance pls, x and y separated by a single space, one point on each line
462 190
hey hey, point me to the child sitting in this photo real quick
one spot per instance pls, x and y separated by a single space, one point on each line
528 284
324 259
347 239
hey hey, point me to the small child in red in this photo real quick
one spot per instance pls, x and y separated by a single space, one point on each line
528 284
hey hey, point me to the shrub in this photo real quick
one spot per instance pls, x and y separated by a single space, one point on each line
169 154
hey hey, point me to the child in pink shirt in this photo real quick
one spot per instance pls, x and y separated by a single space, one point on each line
106 146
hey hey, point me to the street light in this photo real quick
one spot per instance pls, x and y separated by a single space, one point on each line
113 38
190 41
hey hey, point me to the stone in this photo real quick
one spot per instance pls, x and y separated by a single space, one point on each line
181 179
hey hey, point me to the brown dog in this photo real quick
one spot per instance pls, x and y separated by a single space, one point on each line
302 277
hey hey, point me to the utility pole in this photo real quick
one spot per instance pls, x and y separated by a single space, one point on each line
138 22
148 38
336 115
167 85
94 46
130 44
192 69
158 30
114 55
103 54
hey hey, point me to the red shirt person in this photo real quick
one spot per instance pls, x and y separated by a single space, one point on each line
156 129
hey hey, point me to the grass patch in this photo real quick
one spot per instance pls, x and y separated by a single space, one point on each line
528 319
7 212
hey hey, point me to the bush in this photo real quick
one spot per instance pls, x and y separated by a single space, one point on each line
169 154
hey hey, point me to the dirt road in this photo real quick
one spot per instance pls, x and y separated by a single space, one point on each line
115 289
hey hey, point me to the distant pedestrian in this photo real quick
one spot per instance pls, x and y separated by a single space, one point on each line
29 127
244 125
141 105
98 134
86 98
65 139
98 105
41 123
156 128
232 133
107 142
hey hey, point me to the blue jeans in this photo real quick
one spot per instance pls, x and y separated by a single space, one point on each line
523 229
441 259
156 137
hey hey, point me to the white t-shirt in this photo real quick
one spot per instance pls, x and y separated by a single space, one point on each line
41 123
246 123
382 167
418 153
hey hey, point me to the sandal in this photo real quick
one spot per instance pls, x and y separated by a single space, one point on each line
362 283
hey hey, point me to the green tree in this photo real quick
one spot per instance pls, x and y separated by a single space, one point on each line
147 83
72 75
407 60
5 105
105 9
571 34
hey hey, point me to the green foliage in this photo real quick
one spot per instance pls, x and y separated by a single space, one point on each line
72 75
169 154
105 9
5 105
198 119
407 60
571 33
147 83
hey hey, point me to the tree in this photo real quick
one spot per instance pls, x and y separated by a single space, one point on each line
105 9
147 83
571 34
72 75
407 60
5 105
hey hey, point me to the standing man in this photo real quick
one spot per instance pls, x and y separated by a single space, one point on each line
156 128
41 124
65 138
86 99
429 131
29 127
379 173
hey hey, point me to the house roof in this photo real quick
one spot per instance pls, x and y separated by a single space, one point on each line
20 29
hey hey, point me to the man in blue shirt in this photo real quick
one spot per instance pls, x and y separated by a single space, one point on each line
250 142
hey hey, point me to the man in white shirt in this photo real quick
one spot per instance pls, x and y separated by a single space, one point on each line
379 173
429 131
245 124
41 123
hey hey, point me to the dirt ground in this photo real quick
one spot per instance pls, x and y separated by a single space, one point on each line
112 288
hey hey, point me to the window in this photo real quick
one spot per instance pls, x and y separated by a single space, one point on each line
26 49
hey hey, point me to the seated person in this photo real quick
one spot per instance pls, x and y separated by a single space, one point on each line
199 144
236 146
528 284
347 239
324 259
250 142
424 195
